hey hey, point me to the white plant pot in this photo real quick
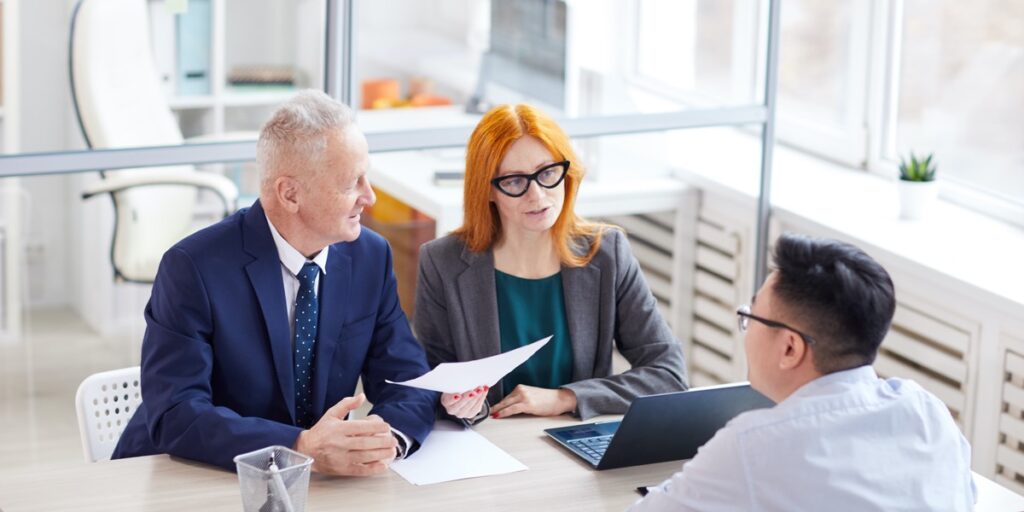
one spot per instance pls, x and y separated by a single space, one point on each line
917 198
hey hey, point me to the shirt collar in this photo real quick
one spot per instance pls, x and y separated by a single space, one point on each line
291 258
845 378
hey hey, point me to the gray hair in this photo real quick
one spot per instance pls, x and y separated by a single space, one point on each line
296 134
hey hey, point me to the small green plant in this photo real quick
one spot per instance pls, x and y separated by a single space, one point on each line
917 170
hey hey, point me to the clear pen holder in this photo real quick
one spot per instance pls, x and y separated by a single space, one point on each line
266 490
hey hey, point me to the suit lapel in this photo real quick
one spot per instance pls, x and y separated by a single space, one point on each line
479 304
581 288
334 286
265 276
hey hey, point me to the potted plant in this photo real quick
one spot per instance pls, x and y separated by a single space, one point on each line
917 187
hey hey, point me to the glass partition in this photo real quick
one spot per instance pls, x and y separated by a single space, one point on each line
219 68
64 313
152 72
442 63
68 244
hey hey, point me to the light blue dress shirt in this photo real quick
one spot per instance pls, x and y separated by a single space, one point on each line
847 441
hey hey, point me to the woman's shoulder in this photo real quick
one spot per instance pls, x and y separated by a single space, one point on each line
446 248
612 239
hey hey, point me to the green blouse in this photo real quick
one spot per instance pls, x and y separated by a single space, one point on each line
528 310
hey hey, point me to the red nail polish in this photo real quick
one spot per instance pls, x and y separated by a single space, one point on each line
472 394
495 415
486 388
456 397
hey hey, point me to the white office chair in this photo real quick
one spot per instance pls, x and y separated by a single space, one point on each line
116 92
105 402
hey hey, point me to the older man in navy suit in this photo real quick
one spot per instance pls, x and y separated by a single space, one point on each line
259 326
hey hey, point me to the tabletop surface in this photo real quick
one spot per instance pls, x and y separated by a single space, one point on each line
555 480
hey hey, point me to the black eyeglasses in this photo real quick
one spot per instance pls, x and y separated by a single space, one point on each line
743 318
549 176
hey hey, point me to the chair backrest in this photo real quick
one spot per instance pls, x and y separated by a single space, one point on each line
117 95
105 402
116 84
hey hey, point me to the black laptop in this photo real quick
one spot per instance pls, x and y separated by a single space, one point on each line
660 428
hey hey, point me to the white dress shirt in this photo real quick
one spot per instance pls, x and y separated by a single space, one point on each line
291 264
847 441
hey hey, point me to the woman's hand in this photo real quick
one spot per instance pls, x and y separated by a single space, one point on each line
535 401
465 405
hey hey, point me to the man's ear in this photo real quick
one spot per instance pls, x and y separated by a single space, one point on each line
794 351
286 190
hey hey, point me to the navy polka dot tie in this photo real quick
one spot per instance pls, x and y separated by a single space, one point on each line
307 308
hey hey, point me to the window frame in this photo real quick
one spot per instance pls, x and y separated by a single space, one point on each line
867 140
883 108
846 143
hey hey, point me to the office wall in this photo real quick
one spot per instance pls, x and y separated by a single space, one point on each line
43 125
67 239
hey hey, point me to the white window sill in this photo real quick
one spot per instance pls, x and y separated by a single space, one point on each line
975 250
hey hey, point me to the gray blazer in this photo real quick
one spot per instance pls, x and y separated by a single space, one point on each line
607 301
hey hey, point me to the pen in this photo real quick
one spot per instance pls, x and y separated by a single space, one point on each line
279 488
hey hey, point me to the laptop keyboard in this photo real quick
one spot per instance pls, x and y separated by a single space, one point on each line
592 447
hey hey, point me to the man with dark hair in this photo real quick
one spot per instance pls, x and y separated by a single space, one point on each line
840 438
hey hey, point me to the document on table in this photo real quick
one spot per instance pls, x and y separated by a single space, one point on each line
466 375
453 452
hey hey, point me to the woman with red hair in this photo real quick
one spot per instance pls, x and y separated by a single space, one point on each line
524 266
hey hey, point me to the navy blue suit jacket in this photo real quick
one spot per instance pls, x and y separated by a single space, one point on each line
217 354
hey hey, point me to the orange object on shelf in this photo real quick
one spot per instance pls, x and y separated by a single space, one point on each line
420 85
429 100
380 91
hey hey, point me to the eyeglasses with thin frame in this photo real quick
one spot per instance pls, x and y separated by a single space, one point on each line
549 176
744 316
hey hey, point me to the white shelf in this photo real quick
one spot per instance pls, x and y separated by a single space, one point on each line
191 102
231 98
249 98
231 41
422 118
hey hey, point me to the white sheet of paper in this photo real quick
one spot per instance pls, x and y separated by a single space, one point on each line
466 375
453 452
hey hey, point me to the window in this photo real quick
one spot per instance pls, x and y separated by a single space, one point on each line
822 64
961 77
861 82
702 52
710 52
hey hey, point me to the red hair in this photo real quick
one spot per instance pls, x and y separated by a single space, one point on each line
497 130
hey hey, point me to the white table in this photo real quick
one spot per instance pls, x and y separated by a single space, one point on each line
555 480
409 177
993 497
